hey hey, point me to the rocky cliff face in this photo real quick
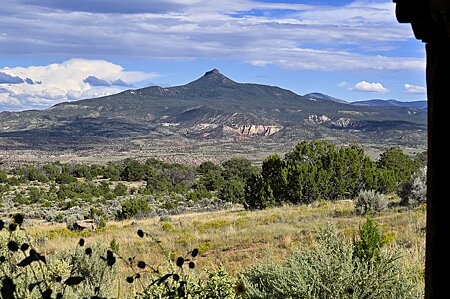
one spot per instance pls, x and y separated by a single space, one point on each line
318 119
250 130
347 123
208 130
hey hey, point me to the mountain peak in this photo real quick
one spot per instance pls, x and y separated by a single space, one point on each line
213 72
213 78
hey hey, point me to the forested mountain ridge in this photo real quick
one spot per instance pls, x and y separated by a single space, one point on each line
372 102
212 106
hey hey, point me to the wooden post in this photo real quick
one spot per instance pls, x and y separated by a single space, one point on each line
430 20
437 269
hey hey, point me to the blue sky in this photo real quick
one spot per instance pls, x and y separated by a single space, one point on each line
58 50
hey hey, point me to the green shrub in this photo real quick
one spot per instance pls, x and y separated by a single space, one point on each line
169 204
329 270
213 224
316 170
132 170
178 279
133 207
72 219
120 189
370 201
65 178
35 194
232 191
401 165
258 194
20 199
100 221
212 180
199 193
3 177
4 188
368 246
59 218
98 273
15 181
217 284
208 166
239 168
414 191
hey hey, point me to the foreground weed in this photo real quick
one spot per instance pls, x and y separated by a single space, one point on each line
90 271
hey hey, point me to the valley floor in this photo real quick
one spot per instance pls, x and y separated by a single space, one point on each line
171 150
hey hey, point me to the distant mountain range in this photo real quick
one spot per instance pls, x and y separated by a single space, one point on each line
372 103
212 107
392 103
321 96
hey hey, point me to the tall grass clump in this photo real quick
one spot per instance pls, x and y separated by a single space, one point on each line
331 269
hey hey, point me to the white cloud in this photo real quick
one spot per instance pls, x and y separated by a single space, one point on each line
156 6
65 82
288 35
365 86
356 13
6 99
409 88
325 60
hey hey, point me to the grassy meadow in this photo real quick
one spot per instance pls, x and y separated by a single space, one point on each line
238 239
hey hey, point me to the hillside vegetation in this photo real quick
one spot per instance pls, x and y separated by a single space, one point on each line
321 222
312 171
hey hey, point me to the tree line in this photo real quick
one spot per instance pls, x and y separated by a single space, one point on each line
312 170
321 170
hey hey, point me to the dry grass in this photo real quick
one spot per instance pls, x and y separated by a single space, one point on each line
238 239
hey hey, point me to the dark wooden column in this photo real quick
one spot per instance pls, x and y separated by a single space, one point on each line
437 278
430 21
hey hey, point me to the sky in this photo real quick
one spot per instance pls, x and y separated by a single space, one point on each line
54 51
